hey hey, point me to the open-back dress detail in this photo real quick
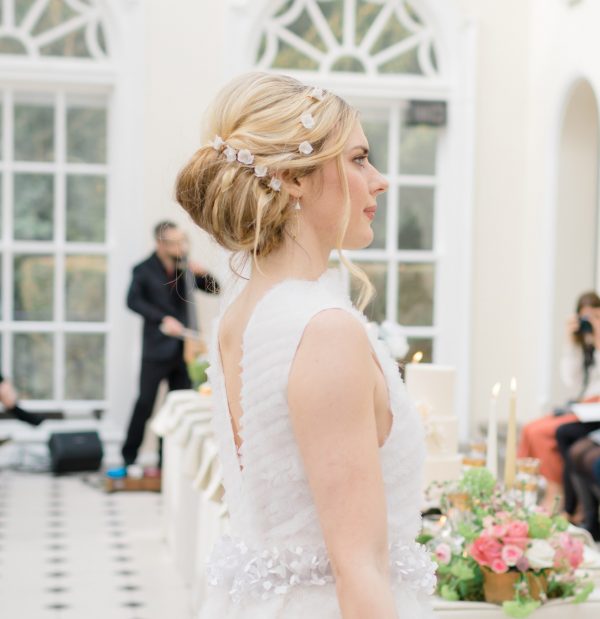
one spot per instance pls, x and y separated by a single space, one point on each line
274 565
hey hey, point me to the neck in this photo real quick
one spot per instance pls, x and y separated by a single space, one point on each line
166 261
305 257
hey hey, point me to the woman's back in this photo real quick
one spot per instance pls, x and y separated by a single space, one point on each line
277 552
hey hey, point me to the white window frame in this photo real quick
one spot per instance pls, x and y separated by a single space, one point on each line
455 41
120 80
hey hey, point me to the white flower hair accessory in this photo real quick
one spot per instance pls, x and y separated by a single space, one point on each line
317 94
230 154
260 171
275 184
305 148
307 120
245 156
217 143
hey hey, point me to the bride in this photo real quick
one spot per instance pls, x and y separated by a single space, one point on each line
321 447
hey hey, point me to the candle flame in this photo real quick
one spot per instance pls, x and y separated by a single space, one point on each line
496 390
417 357
513 385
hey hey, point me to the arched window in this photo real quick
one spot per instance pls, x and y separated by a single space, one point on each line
54 243
383 56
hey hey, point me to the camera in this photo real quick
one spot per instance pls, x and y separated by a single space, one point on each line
585 326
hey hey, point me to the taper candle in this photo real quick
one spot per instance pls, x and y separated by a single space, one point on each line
510 466
491 462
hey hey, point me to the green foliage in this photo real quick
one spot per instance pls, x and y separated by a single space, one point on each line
583 595
197 372
540 526
461 570
448 593
520 607
479 483
423 538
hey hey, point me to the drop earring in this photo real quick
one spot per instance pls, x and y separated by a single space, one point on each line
297 206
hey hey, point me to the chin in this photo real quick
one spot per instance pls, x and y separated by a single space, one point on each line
358 240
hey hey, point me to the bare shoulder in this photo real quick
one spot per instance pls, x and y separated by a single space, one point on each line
334 326
334 350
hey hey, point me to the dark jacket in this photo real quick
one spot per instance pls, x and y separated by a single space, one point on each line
154 294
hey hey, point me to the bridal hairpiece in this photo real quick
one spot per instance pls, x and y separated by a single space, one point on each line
245 157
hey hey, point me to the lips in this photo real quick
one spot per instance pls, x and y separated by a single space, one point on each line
370 212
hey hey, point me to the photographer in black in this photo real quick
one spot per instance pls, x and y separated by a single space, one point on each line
161 292
580 372
587 335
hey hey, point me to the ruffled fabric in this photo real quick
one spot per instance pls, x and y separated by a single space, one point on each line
262 574
269 500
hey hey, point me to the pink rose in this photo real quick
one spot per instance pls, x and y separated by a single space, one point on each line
499 566
443 553
498 530
521 542
511 554
518 528
569 552
485 549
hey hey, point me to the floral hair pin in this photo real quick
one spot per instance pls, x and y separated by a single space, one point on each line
317 93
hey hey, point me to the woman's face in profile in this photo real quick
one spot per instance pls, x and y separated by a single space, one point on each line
323 202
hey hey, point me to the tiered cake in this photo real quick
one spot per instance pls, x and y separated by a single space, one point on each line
432 388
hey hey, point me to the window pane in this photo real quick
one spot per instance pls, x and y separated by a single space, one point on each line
377 274
34 132
377 132
32 365
34 285
415 218
86 135
34 207
415 294
418 149
84 366
86 208
420 344
86 288
379 223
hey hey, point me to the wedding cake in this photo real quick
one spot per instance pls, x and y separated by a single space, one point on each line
432 388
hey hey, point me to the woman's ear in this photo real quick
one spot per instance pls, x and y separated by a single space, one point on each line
293 185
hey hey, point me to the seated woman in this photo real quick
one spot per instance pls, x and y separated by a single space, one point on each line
8 399
579 371
583 460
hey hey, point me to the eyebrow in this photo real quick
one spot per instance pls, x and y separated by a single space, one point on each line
360 147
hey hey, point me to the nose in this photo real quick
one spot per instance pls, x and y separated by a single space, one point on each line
379 183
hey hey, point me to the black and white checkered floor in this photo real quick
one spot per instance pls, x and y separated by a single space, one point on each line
70 551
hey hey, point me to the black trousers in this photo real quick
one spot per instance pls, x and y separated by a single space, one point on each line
566 436
151 375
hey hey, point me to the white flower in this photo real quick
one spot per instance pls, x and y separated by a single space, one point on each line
307 120
540 554
275 184
230 154
217 143
260 171
317 93
245 156
394 335
305 148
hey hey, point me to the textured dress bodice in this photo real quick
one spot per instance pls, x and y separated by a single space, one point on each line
276 547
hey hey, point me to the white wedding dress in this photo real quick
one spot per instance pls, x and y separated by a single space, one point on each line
274 565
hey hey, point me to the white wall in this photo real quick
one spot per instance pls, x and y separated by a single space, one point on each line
529 53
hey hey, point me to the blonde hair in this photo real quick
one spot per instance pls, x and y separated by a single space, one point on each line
261 112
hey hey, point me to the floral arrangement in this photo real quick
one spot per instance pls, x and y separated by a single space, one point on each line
494 548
